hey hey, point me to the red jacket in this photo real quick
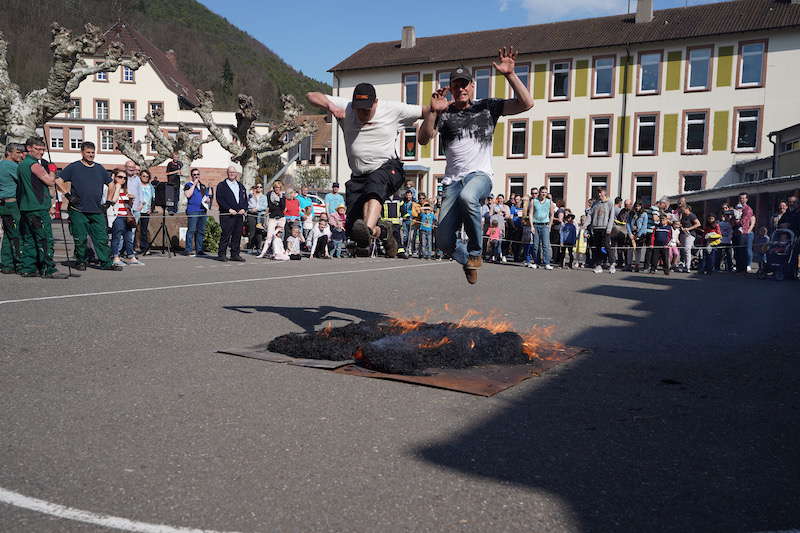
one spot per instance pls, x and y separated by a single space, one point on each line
292 208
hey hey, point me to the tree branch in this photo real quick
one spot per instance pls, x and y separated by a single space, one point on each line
206 112
133 151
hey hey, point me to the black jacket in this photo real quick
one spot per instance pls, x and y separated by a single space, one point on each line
226 199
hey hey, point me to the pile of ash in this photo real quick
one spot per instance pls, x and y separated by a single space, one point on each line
386 347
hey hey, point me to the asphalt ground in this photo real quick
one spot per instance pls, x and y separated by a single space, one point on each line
684 416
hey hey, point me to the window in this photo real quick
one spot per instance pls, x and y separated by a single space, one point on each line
649 73
751 64
128 110
75 110
692 181
643 187
515 184
601 135
411 88
523 72
57 138
155 106
101 109
603 86
698 64
106 140
440 154
646 134
443 80
100 76
556 184
748 130
559 76
596 182
790 146
694 133
557 147
483 81
75 138
518 138
410 143
128 75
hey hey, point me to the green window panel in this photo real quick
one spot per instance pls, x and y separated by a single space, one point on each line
499 86
670 142
724 66
427 88
720 141
623 141
539 81
626 66
674 70
498 144
581 78
578 136
537 137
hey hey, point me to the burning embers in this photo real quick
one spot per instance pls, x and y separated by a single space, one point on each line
412 346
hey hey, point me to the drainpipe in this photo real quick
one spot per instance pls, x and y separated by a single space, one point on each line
771 137
622 138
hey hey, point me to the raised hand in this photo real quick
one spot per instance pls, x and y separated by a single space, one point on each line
506 60
439 102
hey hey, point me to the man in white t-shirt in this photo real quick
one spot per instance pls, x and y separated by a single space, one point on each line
466 129
370 127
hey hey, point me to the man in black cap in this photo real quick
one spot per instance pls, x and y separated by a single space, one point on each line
466 129
370 127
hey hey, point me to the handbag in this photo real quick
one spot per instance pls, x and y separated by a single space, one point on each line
130 221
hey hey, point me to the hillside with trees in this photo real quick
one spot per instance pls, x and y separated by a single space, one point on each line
212 53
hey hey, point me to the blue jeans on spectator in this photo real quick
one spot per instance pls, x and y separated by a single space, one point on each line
541 244
710 260
121 238
529 250
744 253
196 232
461 205
425 249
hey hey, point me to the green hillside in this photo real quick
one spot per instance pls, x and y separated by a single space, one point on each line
202 40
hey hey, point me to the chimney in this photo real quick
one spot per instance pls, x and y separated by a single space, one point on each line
409 39
173 57
644 11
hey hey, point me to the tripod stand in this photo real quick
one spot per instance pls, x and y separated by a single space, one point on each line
165 236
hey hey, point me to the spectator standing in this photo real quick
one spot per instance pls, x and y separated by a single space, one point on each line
674 244
581 245
569 238
495 235
725 250
304 199
712 234
123 225
791 218
133 184
232 202
292 208
199 199
9 209
333 199
427 220
409 210
410 187
276 205
256 215
637 232
619 237
556 225
145 201
527 242
760 247
601 219
662 233
744 228
783 207
173 185
338 223
690 230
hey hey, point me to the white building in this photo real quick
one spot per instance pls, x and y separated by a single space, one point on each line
647 104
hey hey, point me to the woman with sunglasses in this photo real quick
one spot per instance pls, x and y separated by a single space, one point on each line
256 212
146 193
123 225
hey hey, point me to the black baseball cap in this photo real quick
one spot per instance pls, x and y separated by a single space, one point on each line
460 73
363 96
335 184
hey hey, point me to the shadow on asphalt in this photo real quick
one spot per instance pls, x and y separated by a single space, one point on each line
676 431
310 318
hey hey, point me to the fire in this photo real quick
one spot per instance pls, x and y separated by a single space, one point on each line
326 331
491 321
411 323
537 338
432 345
358 355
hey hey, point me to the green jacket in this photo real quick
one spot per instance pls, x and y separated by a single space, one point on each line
8 179
33 194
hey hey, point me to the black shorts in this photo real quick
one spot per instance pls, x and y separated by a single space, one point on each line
379 184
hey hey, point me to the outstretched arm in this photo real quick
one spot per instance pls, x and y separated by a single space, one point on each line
322 102
429 115
522 100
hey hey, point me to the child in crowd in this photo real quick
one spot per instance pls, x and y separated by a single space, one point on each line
293 244
320 236
495 235
426 221
674 243
725 250
662 234
527 242
760 247
713 236
278 251
569 236
308 223
580 243
338 236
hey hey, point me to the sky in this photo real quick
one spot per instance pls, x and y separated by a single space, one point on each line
314 35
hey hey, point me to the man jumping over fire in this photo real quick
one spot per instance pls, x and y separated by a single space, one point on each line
465 129
370 127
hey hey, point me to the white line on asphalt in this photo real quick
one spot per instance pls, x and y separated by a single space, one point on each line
115 522
209 283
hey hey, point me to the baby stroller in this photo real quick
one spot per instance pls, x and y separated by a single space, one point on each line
781 256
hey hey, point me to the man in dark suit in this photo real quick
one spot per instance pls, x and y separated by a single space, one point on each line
232 201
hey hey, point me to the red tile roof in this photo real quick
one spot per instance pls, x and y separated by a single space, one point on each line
615 31
322 138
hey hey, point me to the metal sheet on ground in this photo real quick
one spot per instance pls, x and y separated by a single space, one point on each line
273 357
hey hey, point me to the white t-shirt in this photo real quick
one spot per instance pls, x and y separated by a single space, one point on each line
293 245
372 144
467 136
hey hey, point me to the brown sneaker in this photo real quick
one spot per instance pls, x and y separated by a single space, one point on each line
471 269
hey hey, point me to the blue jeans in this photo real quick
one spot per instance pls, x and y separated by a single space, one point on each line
528 253
121 236
195 233
541 244
461 205
744 254
709 260
426 243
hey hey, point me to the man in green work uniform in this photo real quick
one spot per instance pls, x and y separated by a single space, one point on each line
87 213
35 203
9 209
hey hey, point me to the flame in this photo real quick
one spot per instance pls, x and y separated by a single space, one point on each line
432 345
491 321
358 355
537 338
471 344
411 323
326 331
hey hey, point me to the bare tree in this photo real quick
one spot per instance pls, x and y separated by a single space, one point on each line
21 115
247 147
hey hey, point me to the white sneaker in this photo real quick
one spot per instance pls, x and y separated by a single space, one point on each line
533 266
612 270
548 267
503 258
598 269
749 269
